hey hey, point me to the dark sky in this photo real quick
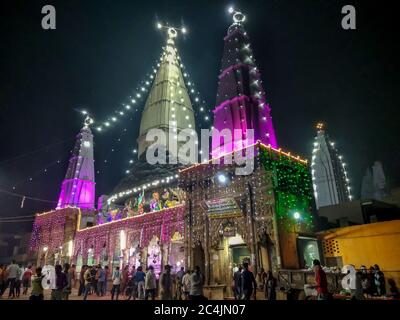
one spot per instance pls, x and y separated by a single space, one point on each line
312 70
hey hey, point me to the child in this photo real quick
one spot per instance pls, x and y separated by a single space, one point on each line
37 288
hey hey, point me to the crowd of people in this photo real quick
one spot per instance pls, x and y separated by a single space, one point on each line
134 283
14 277
245 285
368 283
137 283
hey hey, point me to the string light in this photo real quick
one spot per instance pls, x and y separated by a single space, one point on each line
318 147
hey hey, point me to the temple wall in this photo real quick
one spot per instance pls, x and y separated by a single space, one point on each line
367 244
119 241
251 214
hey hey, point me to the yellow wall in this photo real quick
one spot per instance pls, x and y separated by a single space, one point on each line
368 244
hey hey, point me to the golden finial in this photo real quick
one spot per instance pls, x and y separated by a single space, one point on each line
172 32
320 126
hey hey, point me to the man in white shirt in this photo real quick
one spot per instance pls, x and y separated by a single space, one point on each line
116 278
186 284
13 272
150 284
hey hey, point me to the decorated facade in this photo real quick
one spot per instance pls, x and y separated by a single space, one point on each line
264 215
206 215
265 218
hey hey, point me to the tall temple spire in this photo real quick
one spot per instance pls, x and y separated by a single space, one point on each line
78 187
241 101
168 101
329 175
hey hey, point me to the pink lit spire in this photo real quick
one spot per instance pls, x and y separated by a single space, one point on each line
78 187
241 100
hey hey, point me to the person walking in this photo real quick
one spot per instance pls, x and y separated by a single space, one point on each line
88 282
196 285
139 278
37 288
261 278
249 284
68 288
93 273
320 280
178 289
3 279
132 285
101 279
150 284
237 283
116 278
26 280
270 286
12 274
166 284
186 284
61 283
81 288
18 281
73 278
124 279
106 277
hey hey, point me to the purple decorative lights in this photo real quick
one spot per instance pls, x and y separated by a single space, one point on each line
241 102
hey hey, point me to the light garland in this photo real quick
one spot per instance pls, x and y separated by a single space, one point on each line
48 229
44 170
154 183
330 144
170 55
105 224
161 224
169 179
258 143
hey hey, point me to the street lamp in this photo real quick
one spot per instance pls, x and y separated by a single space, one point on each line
222 178
297 217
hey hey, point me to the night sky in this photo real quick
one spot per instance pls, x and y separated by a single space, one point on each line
312 70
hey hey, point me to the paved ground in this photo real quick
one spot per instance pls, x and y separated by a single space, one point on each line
73 296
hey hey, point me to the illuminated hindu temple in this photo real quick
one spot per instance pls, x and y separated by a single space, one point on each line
204 214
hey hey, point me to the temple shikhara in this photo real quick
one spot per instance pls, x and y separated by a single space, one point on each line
203 214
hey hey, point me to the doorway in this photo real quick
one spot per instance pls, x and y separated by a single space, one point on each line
239 252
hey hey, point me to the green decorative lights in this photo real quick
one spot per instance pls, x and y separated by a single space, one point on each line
292 187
